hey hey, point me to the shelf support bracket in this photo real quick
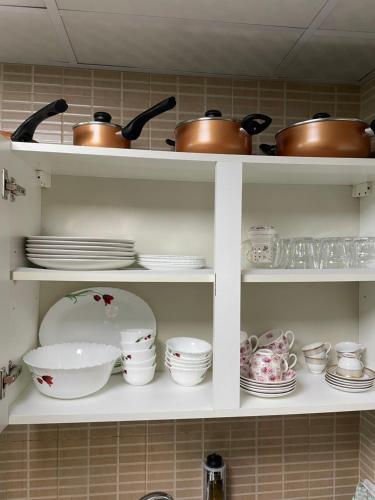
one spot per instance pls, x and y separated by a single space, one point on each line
362 190
43 179
227 296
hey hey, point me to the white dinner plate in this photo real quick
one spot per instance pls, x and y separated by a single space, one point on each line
347 389
90 315
171 267
95 253
79 238
101 248
85 244
268 395
81 264
76 257
170 257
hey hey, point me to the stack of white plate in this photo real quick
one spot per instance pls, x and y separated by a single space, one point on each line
346 384
80 253
270 389
171 262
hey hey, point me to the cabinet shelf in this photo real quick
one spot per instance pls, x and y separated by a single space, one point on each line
119 276
59 159
307 275
163 399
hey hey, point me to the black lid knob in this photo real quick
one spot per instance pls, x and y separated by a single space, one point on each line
102 116
214 461
321 115
212 113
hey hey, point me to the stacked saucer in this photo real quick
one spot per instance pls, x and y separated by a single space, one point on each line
346 384
171 262
270 389
80 253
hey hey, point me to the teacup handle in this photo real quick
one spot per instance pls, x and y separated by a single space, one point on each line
329 347
284 363
294 357
291 334
255 346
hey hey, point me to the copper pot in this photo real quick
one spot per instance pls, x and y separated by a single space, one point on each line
25 132
102 133
324 136
215 134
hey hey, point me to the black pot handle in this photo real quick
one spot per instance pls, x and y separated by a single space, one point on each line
213 113
321 115
134 128
268 149
252 126
25 132
170 142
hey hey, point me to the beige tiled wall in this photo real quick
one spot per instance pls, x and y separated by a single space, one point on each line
273 458
367 445
24 89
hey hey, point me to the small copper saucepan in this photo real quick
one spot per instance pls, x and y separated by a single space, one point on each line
25 132
324 136
215 134
102 133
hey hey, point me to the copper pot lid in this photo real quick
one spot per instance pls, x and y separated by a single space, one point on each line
100 118
211 114
322 117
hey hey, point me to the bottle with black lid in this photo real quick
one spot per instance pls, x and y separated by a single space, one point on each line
214 478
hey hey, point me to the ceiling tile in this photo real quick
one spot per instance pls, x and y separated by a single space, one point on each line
176 45
327 56
352 15
27 35
23 3
293 13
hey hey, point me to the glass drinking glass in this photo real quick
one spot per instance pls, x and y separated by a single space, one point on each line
333 254
301 254
364 252
281 250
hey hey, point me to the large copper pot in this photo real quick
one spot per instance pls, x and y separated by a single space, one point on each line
215 134
324 136
25 131
102 133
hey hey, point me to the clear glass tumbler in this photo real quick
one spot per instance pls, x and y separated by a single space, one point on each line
301 254
333 254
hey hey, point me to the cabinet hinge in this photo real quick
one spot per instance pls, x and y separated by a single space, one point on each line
8 376
362 190
9 187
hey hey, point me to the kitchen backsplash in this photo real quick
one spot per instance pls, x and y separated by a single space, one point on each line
269 458
24 89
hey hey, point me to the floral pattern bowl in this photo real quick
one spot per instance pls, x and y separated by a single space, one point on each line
71 370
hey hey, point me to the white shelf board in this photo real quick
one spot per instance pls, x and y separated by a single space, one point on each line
117 401
120 276
312 395
307 275
300 170
60 159
163 399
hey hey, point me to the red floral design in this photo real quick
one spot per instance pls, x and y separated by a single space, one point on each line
269 335
107 299
97 297
177 354
45 378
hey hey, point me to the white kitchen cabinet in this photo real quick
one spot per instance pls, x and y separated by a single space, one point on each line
187 203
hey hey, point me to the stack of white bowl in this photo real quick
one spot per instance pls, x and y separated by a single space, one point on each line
188 360
138 355
171 262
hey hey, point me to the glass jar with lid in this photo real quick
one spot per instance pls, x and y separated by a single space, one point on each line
258 250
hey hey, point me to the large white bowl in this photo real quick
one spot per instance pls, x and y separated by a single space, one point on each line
188 347
71 370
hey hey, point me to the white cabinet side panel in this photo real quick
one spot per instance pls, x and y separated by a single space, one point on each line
227 300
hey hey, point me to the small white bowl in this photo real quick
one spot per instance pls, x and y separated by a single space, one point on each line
71 370
188 347
187 378
187 362
136 335
143 355
140 346
139 364
177 364
139 376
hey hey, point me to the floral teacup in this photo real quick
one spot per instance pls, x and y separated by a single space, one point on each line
277 340
268 366
246 343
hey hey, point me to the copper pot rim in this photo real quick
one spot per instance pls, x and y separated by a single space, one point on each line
97 123
317 120
207 118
